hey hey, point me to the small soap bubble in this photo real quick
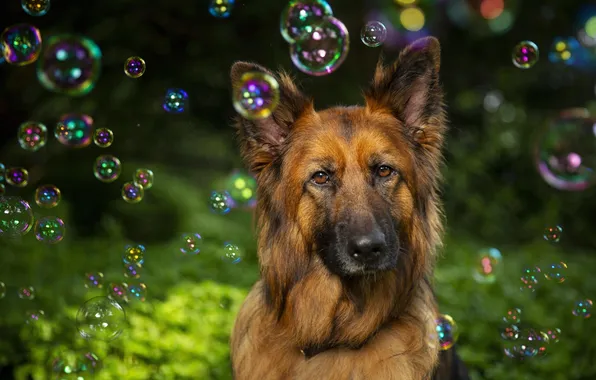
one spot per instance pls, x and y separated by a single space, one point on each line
132 193
118 291
256 95
107 168
231 253
143 178
33 316
134 67
134 254
16 217
22 44
322 48
47 196
175 100
74 130
2 290
553 334
447 331
87 363
17 177
510 332
50 230
556 272
36 7
529 278
299 16
101 318
32 135
132 270
525 54
220 202
242 187
94 280
191 243
582 308
373 33
487 263
513 316
137 292
553 234
103 137
26 293
221 8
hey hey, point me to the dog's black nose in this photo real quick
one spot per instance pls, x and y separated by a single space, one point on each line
367 248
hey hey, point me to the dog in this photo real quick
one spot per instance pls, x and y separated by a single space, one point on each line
349 224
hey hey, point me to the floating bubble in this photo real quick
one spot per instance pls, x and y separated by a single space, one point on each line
47 196
69 65
299 15
221 8
191 243
583 308
553 234
22 44
2 290
18 177
373 33
556 272
220 202
513 316
242 188
16 217
231 253
175 101
137 292
134 254
447 331
143 178
101 318
33 316
132 270
488 261
553 335
32 135
74 130
89 363
103 137
50 230
107 168
525 55
134 67
26 293
529 279
132 193
94 280
535 342
118 291
565 154
2 172
564 50
35 7
510 332
256 95
322 48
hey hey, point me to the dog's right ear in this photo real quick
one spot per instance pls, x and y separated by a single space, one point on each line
261 140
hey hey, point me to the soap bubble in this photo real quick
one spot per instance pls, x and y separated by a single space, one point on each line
134 254
16 216
529 278
220 202
553 233
35 7
118 291
103 137
132 193
299 15
132 270
525 54
513 316
231 253
137 292
256 95
556 272
510 332
18 177
26 293
191 243
101 318
175 100
221 8
47 196
143 178
94 280
33 316
107 168
242 187
553 334
21 44
487 263
373 33
447 331
32 135
74 130
583 308
50 230
134 67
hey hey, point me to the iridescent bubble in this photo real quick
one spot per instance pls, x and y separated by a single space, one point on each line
582 308
220 202
94 280
322 48
565 154
191 243
16 216
529 278
137 292
35 7
33 316
50 230
175 100
553 233
256 95
447 331
132 270
373 33
553 335
299 15
2 290
533 342
101 318
134 254
22 44
26 293
134 67
221 8
564 50
32 135
69 65
556 272
132 193
118 291
107 168
513 316
231 253
89 363
242 187
47 196
18 177
74 130
103 137
487 263
510 332
525 54
143 178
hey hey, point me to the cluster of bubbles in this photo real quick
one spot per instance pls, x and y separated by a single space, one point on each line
221 8
78 365
521 342
240 191
134 191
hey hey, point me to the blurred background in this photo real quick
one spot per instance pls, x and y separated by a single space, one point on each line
517 270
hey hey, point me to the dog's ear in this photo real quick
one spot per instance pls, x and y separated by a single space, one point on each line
261 140
410 90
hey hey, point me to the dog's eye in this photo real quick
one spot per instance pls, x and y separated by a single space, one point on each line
384 171
320 178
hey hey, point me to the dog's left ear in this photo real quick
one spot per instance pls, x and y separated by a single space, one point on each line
410 90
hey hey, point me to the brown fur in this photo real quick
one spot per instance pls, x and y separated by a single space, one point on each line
370 327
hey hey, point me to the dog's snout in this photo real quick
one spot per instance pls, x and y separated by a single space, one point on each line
369 247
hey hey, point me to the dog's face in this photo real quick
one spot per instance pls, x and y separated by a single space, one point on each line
355 181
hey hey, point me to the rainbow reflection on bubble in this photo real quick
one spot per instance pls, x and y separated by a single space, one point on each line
21 44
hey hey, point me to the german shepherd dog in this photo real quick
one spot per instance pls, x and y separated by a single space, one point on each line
349 222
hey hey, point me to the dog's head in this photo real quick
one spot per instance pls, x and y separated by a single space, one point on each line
358 185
